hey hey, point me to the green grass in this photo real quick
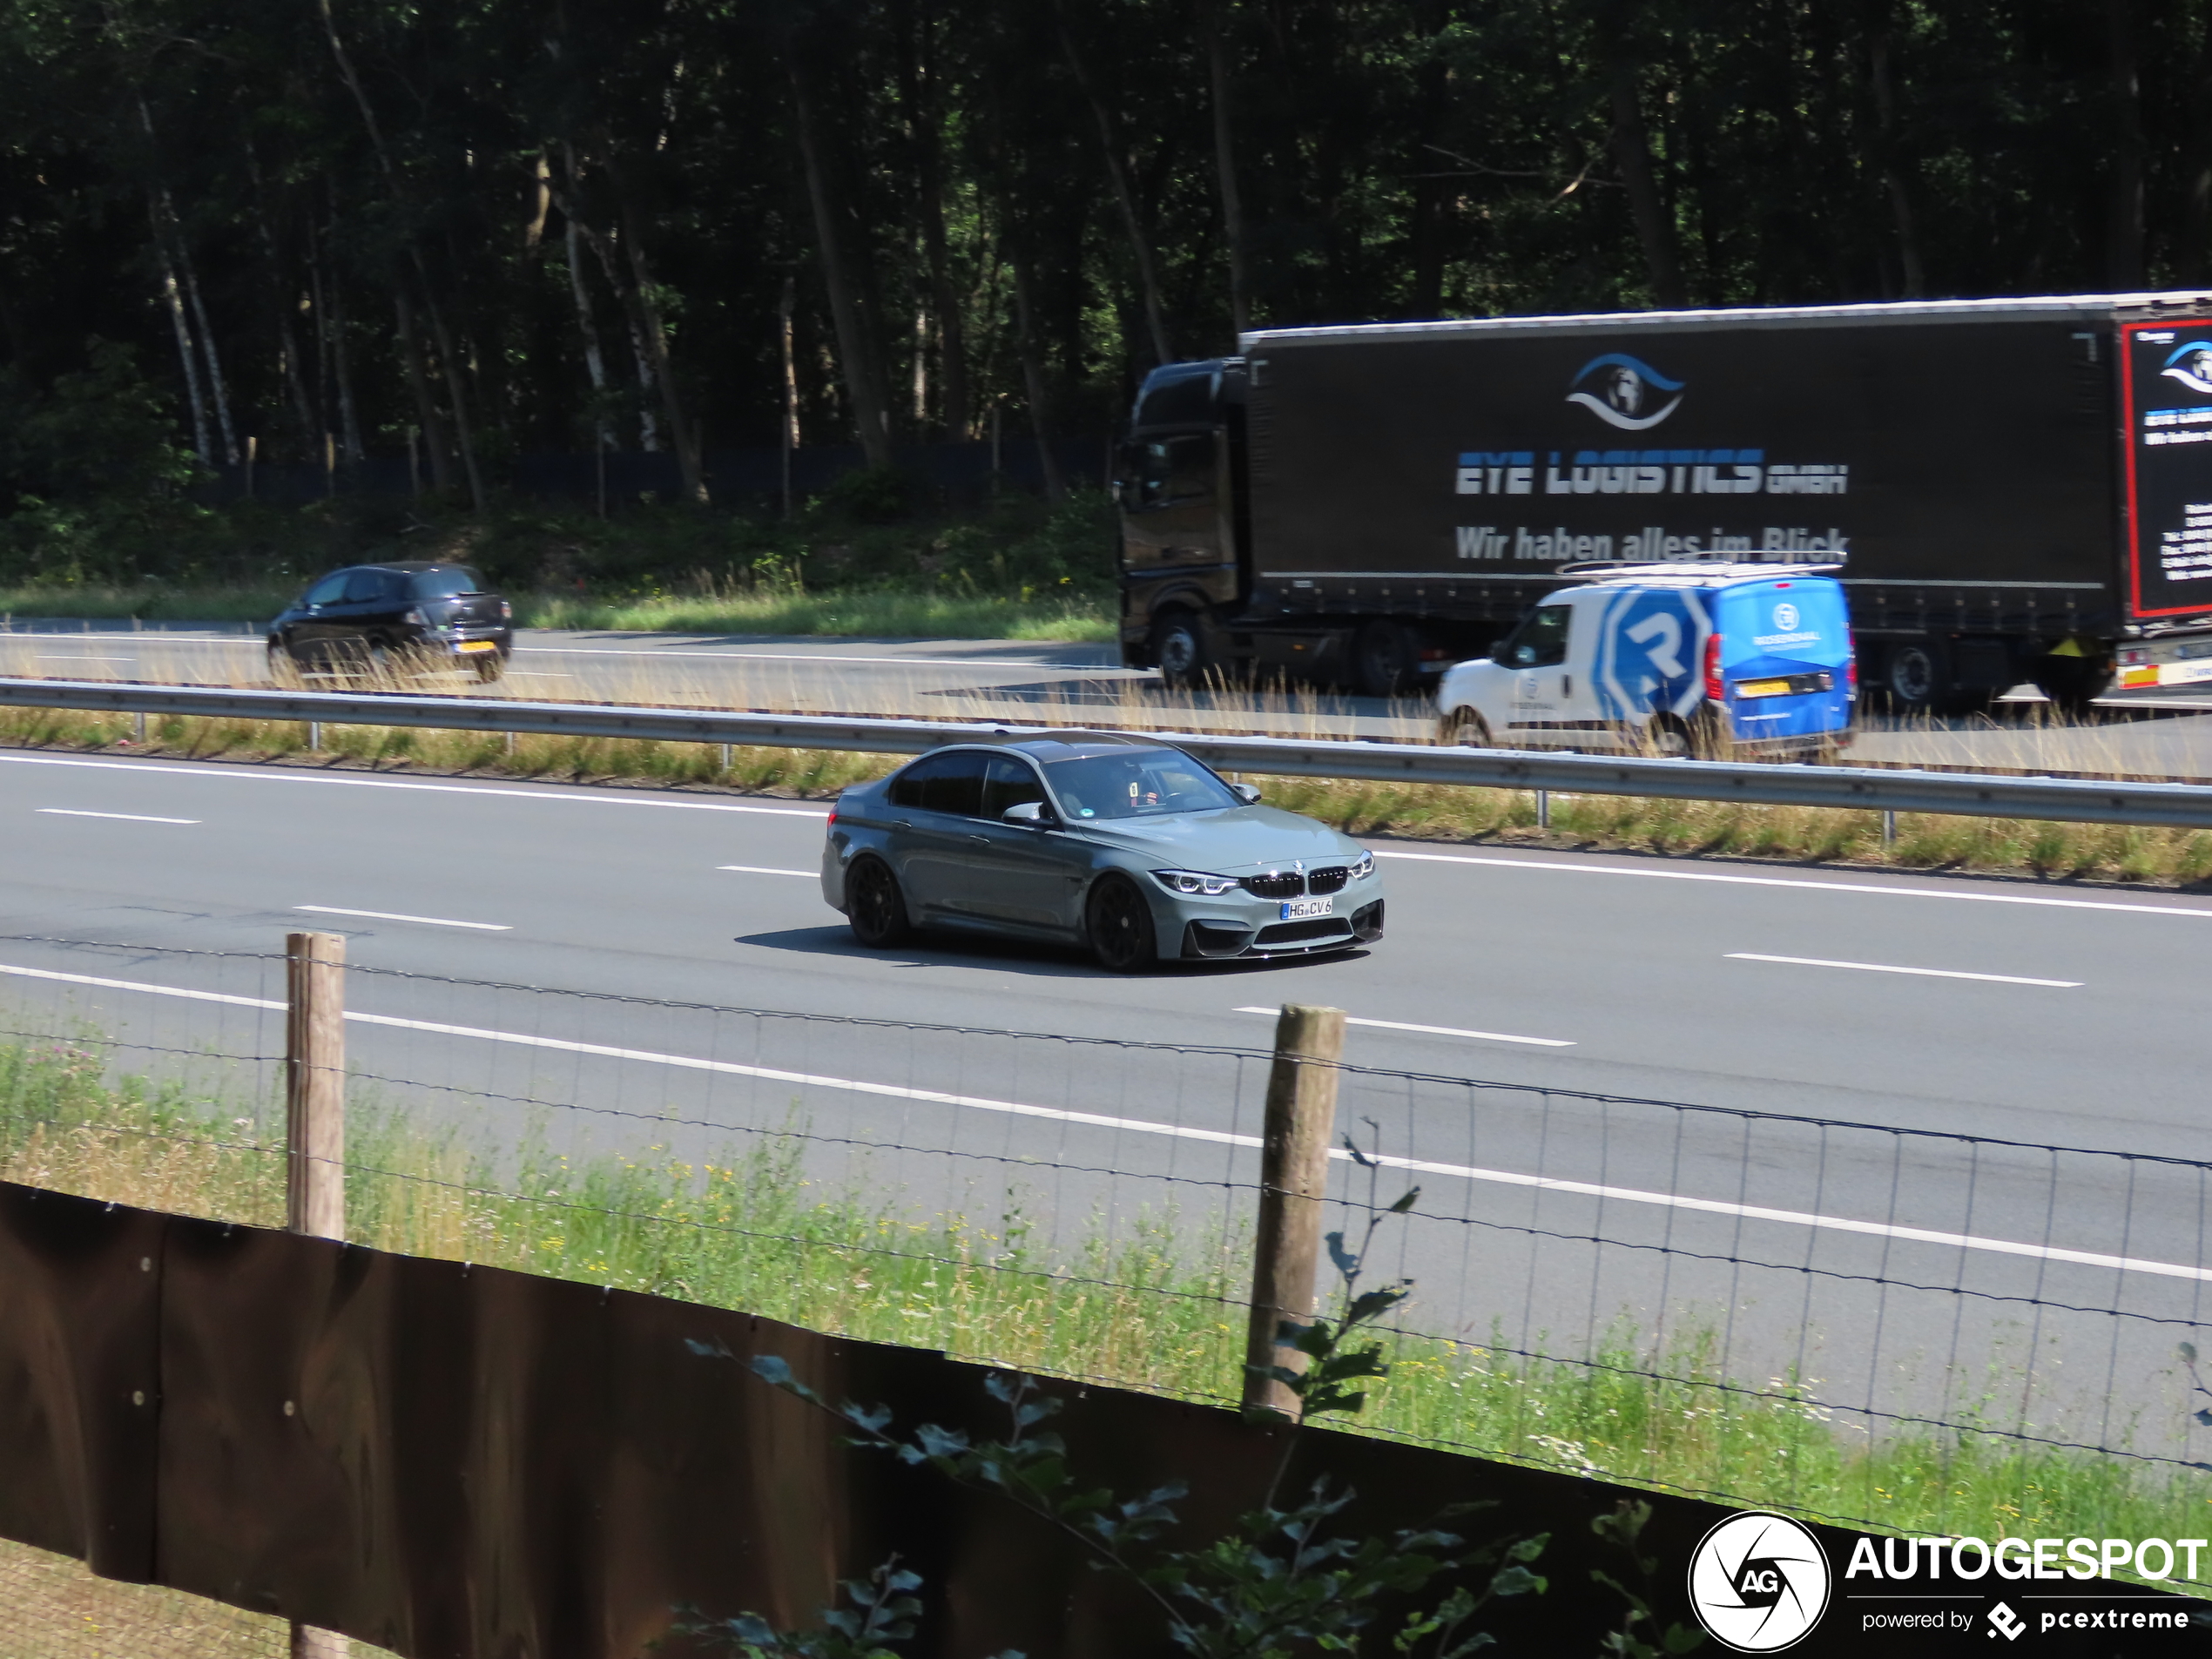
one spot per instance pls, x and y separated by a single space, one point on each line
1156 1311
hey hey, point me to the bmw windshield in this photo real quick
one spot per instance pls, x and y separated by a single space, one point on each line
1136 783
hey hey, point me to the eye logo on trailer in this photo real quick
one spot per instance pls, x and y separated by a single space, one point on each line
2192 366
1622 391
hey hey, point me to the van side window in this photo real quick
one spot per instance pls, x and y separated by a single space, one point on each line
1541 642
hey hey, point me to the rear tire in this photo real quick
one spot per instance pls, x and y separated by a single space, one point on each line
1466 728
1120 925
1386 660
489 665
874 906
1667 737
1182 649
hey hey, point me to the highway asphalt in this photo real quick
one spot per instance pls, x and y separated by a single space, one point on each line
2010 1011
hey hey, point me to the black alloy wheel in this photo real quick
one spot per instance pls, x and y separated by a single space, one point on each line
1181 650
874 906
1120 924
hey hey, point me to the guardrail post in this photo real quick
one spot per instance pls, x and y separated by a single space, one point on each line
1293 1180
314 1132
1543 809
1889 828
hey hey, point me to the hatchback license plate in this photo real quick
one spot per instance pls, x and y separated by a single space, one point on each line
476 644
1763 688
1303 909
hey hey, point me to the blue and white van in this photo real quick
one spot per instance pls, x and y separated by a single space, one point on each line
1682 660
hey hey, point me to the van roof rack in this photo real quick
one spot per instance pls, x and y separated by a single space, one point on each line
1706 569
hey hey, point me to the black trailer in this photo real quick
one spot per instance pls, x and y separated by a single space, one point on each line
2018 490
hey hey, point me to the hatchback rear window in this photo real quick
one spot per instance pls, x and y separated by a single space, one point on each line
447 582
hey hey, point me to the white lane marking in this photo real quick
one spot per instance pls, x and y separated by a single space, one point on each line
80 657
1884 967
818 657
1179 1131
1440 1031
133 818
1815 886
232 772
386 916
763 869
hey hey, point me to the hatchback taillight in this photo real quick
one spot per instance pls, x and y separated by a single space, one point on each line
1716 687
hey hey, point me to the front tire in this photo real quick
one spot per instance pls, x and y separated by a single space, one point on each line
283 671
1183 651
1120 925
874 906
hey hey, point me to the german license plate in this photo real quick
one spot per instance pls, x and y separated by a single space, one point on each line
476 644
1303 909
1763 688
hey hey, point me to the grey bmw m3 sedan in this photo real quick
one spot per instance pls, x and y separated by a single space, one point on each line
1120 843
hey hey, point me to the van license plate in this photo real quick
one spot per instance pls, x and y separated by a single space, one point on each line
1763 688
1303 909
477 645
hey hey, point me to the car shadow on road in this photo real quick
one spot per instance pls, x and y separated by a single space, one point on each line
1011 955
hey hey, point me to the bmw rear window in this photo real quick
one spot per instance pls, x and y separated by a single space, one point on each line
1136 783
446 583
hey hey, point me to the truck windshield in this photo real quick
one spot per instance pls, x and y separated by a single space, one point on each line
1541 642
1136 783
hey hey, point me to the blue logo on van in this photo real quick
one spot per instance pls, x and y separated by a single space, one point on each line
1622 391
2192 366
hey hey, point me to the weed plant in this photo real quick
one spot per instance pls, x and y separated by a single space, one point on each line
1161 1310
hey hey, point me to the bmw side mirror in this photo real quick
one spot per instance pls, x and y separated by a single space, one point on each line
1031 812
1245 792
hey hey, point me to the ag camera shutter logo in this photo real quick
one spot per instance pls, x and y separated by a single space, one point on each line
1759 1583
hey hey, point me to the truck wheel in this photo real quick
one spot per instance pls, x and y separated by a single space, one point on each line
1386 660
1181 650
1465 727
1913 678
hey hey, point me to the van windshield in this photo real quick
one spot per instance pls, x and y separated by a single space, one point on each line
1541 642
1136 783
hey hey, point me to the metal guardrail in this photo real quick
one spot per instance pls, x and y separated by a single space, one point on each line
2060 799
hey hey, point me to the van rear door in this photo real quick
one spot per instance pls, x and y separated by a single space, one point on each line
1785 657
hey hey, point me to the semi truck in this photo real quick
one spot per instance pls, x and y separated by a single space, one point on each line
2015 490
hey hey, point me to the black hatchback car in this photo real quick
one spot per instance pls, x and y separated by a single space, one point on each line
390 619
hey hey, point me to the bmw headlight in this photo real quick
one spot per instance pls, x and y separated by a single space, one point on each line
1365 868
1196 882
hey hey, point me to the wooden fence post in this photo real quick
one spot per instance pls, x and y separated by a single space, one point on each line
315 1084
1293 1180
314 1132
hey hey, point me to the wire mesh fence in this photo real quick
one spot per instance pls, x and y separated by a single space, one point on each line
1885 1326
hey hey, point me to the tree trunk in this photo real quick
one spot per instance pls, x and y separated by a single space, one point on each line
1056 486
174 299
1125 196
418 380
218 395
2124 244
341 370
1430 193
1225 164
312 428
594 363
1893 186
680 430
925 128
448 365
1632 153
864 384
